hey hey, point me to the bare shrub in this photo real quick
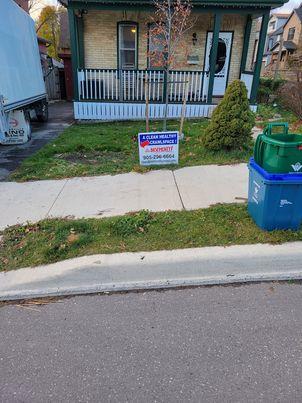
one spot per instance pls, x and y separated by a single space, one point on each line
290 95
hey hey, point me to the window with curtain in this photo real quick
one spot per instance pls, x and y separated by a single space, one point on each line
127 46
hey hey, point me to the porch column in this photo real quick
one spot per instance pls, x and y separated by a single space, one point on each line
80 29
246 41
261 44
74 51
213 56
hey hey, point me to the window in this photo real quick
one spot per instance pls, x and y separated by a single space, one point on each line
127 45
272 25
254 58
221 56
270 43
291 34
156 46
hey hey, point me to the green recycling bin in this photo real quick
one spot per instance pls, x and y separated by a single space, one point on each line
279 152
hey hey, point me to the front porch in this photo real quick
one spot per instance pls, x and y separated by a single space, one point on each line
111 94
121 94
112 72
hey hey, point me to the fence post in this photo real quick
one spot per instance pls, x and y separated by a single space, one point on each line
165 89
120 87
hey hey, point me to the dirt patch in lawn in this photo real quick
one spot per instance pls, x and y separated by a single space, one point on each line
92 158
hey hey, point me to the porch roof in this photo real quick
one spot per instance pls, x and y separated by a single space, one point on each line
199 4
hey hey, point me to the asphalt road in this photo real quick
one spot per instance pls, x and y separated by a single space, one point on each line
215 344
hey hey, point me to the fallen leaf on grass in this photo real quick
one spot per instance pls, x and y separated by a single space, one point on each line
72 237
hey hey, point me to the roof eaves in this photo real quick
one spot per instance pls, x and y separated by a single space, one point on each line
298 11
276 32
202 3
289 45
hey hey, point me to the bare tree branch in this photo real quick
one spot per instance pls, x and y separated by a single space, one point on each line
169 25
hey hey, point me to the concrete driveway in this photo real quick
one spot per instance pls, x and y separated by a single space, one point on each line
60 117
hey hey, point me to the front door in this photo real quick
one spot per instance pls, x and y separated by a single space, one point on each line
222 60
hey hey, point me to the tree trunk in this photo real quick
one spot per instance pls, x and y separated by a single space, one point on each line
167 70
147 101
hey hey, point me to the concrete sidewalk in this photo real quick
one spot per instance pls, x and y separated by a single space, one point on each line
162 269
105 196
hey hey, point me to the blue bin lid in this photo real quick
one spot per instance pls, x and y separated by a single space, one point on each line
289 177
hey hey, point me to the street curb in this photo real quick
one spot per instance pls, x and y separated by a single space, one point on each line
144 286
155 270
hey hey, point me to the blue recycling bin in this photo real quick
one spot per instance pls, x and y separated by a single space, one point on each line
274 200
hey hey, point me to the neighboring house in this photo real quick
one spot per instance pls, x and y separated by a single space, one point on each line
276 22
65 54
287 47
109 43
23 4
43 45
53 72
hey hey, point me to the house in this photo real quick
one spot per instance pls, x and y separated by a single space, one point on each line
287 47
43 49
23 4
65 54
275 28
109 45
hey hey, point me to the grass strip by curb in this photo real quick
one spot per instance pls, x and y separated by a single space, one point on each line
53 240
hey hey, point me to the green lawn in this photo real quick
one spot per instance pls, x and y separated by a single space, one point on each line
53 240
111 148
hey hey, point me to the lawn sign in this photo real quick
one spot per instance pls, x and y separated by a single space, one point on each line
158 148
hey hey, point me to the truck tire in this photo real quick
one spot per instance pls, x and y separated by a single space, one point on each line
42 112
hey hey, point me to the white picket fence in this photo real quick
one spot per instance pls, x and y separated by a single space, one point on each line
129 85
87 110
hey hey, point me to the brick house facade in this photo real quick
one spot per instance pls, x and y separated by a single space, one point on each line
100 34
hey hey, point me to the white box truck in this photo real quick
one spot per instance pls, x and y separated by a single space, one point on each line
22 87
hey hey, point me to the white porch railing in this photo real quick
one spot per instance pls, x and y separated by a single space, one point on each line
129 85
